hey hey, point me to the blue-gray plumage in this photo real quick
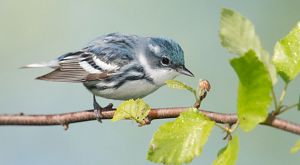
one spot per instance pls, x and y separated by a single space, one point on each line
118 66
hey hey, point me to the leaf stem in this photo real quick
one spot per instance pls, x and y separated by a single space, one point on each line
288 108
283 93
196 98
221 127
279 105
228 129
235 126
274 99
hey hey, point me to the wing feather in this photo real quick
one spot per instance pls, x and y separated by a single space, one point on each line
76 67
102 57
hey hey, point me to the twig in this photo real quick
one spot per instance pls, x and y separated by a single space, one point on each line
65 119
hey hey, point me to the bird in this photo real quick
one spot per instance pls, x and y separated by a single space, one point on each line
119 66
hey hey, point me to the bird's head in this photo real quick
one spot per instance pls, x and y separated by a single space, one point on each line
167 55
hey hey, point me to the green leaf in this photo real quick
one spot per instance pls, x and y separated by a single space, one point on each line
254 90
229 154
132 109
179 85
287 55
179 141
296 147
238 35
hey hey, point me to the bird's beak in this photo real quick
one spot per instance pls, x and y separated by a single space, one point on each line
185 71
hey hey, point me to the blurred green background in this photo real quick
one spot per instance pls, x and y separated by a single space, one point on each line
35 31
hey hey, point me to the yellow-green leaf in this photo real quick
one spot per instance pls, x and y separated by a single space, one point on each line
287 55
180 85
254 90
296 147
229 154
238 35
132 109
179 141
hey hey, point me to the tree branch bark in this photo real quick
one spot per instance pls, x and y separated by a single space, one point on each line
65 119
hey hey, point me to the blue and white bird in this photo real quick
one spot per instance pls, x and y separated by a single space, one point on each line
118 66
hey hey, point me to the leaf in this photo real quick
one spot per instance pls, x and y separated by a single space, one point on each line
287 55
179 85
238 35
132 109
179 141
229 154
254 90
296 147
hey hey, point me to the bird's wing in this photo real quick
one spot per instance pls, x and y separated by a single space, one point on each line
101 58
77 67
114 48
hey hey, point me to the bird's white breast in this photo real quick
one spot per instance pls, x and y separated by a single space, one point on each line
131 89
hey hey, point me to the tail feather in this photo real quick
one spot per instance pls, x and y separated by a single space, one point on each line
63 76
52 64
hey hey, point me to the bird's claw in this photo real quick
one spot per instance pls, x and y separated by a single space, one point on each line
98 109
109 106
99 116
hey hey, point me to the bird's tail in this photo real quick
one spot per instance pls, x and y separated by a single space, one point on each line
51 64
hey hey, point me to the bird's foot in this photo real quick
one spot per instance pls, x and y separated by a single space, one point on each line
98 109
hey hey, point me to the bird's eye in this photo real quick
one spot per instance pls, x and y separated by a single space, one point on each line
165 61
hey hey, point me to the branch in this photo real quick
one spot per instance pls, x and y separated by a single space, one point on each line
65 119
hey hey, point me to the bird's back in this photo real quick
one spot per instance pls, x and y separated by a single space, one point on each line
114 48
